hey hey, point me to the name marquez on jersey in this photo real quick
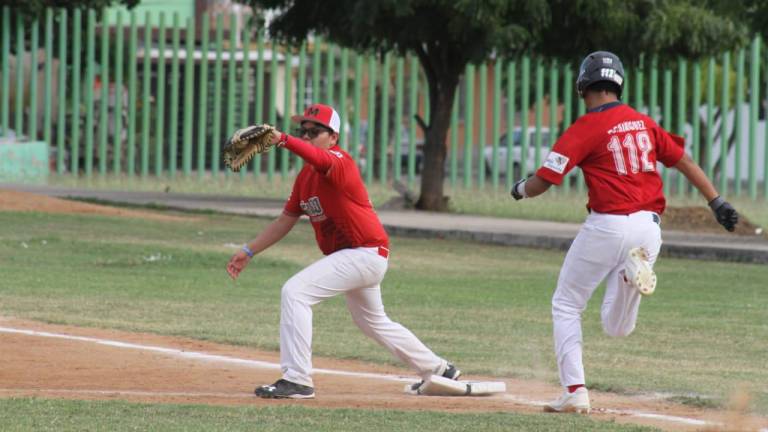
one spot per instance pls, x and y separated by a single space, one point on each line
313 209
627 126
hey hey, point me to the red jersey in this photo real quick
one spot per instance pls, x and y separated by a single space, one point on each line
331 192
617 149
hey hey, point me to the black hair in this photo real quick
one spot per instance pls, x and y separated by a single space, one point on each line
607 86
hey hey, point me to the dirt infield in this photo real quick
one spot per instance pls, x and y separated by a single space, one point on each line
55 361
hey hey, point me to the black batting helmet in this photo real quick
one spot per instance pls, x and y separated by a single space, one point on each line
600 66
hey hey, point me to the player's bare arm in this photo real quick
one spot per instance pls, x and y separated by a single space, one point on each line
274 232
724 212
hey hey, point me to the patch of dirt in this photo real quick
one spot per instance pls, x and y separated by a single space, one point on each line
701 219
75 363
28 202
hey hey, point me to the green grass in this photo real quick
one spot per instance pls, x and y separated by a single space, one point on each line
60 416
485 307
555 205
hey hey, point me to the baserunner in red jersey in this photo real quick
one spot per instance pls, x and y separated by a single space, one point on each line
617 148
330 191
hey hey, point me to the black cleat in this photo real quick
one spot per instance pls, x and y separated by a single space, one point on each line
283 389
451 372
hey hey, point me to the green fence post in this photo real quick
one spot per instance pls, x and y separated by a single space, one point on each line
173 121
75 125
104 80
302 96
329 75
104 102
132 78
202 123
61 122
525 108
90 60
384 130
454 163
272 106
371 135
754 103
495 125
160 110
724 102
146 94
34 45
245 86
117 146
740 59
48 78
539 110
343 78
413 110
218 74
231 95
189 98
639 78
568 116
258 100
553 103
285 155
482 129
511 75
681 111
356 105
667 120
706 157
469 113
316 70
653 97
399 86
19 117
5 55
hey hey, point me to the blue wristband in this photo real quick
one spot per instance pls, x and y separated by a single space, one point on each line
248 251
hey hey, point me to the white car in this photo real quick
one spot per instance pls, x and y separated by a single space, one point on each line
531 163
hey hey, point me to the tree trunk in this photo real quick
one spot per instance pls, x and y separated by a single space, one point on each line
433 173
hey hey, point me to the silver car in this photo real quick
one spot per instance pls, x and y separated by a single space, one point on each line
503 158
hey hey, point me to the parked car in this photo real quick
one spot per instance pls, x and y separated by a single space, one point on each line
517 150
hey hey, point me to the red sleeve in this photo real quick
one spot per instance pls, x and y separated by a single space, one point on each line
566 154
292 207
670 148
320 159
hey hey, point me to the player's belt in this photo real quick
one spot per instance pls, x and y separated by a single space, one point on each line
383 252
656 218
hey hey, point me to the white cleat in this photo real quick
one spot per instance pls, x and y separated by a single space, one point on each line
638 272
576 402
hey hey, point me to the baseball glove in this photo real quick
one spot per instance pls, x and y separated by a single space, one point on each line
245 143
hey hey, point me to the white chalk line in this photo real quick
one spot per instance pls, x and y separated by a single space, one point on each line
193 355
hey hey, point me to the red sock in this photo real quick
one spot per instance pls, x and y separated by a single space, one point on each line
573 388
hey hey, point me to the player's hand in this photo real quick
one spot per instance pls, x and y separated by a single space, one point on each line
724 213
237 263
518 190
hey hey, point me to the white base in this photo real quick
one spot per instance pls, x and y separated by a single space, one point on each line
440 386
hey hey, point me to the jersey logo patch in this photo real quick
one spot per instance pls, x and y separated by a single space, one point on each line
338 154
556 162
313 209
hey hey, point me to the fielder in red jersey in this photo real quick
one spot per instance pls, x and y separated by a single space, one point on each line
617 149
330 191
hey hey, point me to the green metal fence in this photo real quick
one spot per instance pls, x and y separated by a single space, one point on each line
158 100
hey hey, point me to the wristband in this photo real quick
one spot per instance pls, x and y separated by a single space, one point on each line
716 202
248 251
283 139
520 188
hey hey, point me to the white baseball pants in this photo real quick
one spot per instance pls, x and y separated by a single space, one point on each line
598 252
356 273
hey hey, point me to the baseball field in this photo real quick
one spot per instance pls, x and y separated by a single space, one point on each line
124 319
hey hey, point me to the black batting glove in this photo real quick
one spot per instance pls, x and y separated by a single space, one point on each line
724 213
518 190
